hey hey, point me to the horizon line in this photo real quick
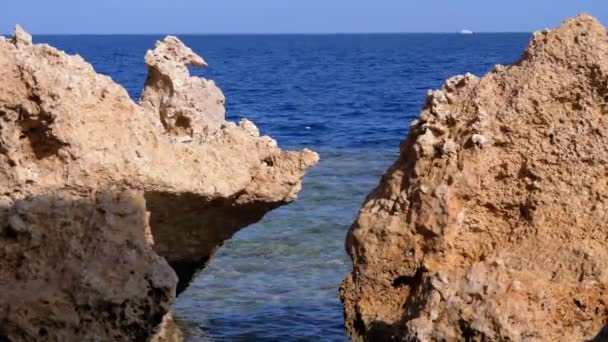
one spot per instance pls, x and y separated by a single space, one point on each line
265 33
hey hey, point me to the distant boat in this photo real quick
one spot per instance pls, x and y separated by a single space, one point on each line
466 32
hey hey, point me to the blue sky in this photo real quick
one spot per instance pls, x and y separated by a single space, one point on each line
291 16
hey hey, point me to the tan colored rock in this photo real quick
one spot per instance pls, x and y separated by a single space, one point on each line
21 37
168 331
100 196
186 106
493 223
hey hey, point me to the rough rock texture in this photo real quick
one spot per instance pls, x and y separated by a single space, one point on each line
103 201
492 225
74 267
187 106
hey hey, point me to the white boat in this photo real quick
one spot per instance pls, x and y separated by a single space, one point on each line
466 32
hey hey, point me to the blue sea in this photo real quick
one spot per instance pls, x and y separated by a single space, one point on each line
348 97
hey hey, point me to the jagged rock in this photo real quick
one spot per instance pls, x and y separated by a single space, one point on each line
103 201
185 106
492 223
21 37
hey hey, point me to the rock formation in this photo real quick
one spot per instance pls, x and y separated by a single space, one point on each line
106 204
186 105
492 225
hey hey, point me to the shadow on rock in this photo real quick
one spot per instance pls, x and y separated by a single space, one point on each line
78 266
602 336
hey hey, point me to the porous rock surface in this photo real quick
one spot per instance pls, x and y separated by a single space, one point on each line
108 207
492 225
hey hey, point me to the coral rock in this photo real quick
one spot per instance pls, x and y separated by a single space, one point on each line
185 105
492 223
107 207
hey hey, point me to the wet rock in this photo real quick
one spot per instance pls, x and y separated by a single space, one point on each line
493 227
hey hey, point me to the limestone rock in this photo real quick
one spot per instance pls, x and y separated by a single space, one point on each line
21 37
185 106
492 223
101 204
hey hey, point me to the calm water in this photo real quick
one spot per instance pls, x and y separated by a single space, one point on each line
349 97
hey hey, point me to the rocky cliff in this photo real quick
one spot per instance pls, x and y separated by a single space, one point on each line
109 207
492 223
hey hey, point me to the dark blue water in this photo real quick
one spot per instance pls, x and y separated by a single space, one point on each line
349 97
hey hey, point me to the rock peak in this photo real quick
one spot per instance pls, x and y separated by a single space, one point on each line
186 106
173 51
21 37
573 39
584 17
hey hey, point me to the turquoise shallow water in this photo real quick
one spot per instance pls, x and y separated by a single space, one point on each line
349 97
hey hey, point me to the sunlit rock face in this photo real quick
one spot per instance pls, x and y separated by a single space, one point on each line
109 207
492 223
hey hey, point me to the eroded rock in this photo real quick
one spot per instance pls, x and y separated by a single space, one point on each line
105 200
492 224
185 106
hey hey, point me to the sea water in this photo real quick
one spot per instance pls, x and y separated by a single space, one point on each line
348 97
